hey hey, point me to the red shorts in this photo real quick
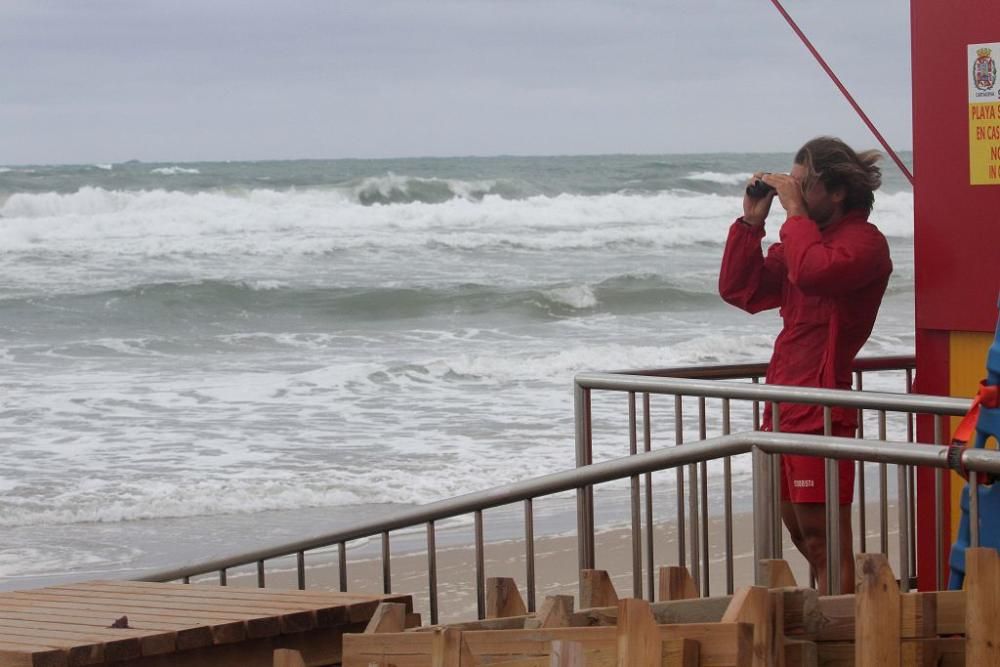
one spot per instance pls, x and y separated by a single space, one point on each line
803 478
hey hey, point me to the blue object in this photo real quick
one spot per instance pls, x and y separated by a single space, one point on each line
987 425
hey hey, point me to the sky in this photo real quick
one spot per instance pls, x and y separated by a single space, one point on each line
193 80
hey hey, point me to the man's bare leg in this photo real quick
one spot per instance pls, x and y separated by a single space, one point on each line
810 522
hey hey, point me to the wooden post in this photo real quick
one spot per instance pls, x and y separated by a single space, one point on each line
638 636
753 605
503 599
877 633
681 653
676 584
596 589
448 649
775 573
800 653
286 657
982 606
388 617
566 654
555 612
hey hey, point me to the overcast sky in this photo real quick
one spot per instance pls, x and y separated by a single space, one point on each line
187 80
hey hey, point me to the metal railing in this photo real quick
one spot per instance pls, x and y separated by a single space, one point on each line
692 522
758 443
762 446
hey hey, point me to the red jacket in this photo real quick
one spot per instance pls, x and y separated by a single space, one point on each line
828 285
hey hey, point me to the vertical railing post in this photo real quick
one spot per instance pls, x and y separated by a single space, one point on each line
647 445
432 587
762 513
832 512
938 514
679 440
584 506
777 534
973 509
727 483
635 501
860 465
529 551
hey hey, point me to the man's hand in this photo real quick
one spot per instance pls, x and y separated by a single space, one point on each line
789 193
755 210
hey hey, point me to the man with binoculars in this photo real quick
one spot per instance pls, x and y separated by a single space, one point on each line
827 275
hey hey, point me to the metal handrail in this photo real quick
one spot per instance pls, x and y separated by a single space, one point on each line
869 400
759 369
775 395
664 459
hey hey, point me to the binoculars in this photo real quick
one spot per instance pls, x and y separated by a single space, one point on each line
759 189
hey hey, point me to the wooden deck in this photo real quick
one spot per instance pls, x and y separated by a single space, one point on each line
176 624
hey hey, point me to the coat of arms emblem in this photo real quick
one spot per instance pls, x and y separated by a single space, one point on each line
984 70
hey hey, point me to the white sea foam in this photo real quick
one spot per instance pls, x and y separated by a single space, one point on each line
173 171
310 222
717 177
574 296
105 166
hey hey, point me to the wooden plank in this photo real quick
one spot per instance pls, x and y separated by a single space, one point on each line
923 614
699 610
877 613
186 635
800 609
150 642
448 649
192 631
680 653
503 599
359 606
513 623
950 612
917 615
226 624
775 573
330 608
83 647
676 584
321 646
296 616
398 649
948 652
323 596
258 620
26 655
76 653
596 589
982 612
566 654
801 653
776 616
638 638
286 657
721 643
753 605
388 617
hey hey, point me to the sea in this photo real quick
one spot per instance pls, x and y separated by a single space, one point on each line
203 358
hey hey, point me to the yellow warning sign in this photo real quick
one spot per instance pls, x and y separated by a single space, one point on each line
984 114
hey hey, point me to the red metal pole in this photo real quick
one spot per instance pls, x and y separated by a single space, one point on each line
843 89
